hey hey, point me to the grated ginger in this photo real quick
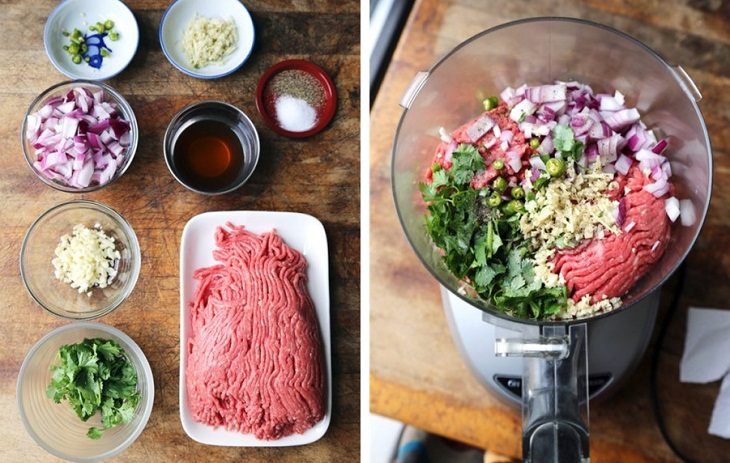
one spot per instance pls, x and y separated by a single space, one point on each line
567 211
209 40
571 209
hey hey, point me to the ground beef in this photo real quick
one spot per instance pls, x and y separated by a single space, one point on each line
609 267
255 360
518 144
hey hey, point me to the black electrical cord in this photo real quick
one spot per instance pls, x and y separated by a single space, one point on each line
673 306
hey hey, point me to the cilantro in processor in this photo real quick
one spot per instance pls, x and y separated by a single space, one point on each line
95 375
482 244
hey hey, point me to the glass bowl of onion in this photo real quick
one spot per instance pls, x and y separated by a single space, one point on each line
80 260
79 136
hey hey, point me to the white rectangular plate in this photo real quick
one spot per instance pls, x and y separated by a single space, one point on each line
301 232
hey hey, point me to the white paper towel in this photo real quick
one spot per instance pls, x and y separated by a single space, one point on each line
720 421
707 358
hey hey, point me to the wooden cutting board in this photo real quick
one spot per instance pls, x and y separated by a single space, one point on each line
416 374
318 176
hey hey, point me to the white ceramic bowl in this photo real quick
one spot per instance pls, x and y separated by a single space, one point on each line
55 427
176 19
303 233
81 14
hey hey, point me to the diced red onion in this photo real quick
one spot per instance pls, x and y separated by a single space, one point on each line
620 119
623 164
67 107
106 136
447 155
69 127
591 153
659 188
621 212
514 161
671 206
546 146
660 146
475 131
537 163
444 136
546 93
687 212
667 169
630 226
523 108
608 148
78 138
126 139
649 160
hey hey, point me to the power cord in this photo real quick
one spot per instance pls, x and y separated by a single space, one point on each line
654 388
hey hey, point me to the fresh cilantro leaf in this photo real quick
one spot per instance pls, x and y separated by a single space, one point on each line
563 138
465 163
440 178
481 245
109 350
484 276
565 142
95 375
94 433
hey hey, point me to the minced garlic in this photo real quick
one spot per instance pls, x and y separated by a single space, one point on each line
209 40
86 259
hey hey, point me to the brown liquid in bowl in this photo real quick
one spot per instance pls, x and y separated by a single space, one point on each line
208 156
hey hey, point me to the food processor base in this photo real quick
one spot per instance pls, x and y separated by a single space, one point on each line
616 345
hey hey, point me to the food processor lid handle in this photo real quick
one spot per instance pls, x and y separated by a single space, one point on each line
687 84
554 384
416 85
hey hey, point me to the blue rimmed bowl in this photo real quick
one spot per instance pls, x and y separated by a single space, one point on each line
176 19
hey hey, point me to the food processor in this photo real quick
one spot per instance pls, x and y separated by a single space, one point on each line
552 368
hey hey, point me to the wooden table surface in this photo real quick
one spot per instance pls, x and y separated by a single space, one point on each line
416 374
318 176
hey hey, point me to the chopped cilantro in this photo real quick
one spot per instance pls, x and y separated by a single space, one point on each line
95 375
565 142
483 246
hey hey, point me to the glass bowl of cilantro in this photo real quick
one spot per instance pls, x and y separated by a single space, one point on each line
85 392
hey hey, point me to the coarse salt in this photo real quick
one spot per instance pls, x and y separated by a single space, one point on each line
295 114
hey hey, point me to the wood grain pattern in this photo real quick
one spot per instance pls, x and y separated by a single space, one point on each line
416 373
318 176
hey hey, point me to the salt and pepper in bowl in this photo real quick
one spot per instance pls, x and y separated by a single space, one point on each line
296 98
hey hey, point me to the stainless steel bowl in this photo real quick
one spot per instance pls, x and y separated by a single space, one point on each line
229 115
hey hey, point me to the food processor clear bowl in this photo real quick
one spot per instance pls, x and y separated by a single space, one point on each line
539 51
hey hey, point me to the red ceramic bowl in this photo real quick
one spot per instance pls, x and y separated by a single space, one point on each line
265 101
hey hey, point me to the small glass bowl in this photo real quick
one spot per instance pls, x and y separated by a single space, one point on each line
55 427
60 90
38 249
